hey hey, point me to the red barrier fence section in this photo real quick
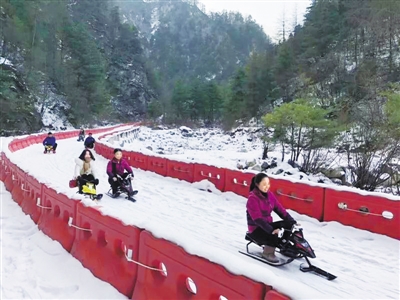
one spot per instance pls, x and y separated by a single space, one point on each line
2 166
308 200
108 153
11 177
136 160
238 182
157 165
180 170
213 174
185 276
19 185
57 212
99 149
100 246
364 212
28 204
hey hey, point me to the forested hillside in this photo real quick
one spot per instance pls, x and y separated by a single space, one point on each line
332 83
87 62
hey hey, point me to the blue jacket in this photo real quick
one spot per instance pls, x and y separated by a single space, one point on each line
50 140
89 140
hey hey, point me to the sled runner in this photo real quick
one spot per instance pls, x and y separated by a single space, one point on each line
125 187
293 245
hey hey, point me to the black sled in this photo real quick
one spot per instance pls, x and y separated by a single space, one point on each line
292 245
125 187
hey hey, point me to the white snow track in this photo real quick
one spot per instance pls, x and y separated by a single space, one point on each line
213 225
33 266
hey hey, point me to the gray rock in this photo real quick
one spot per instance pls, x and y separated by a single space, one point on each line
265 166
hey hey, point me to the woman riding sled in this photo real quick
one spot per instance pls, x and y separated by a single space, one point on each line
85 169
260 204
117 167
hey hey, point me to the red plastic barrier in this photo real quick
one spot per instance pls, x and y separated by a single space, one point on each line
30 141
102 249
13 146
11 177
214 174
274 295
363 212
3 167
28 204
137 160
24 143
180 170
183 271
19 186
157 165
303 198
39 139
238 182
108 152
19 144
57 209
99 148
7 163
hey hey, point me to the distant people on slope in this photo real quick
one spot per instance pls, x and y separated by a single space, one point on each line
81 136
49 143
90 141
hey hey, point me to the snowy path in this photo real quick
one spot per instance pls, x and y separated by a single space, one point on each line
33 266
213 225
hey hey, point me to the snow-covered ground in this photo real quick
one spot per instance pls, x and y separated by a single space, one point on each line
213 225
216 148
33 266
4 61
243 147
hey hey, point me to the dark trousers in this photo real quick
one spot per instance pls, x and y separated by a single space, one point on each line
54 147
89 145
116 184
83 179
265 238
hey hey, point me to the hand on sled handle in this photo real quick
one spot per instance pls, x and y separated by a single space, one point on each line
276 231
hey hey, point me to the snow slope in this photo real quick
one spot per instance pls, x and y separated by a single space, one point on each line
213 225
241 147
33 266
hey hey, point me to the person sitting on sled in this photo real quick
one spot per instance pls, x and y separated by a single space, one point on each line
117 166
81 136
89 142
49 143
260 204
85 170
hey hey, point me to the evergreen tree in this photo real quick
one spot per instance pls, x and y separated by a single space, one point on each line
235 106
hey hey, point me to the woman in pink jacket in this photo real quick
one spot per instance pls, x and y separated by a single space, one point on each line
117 166
260 204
